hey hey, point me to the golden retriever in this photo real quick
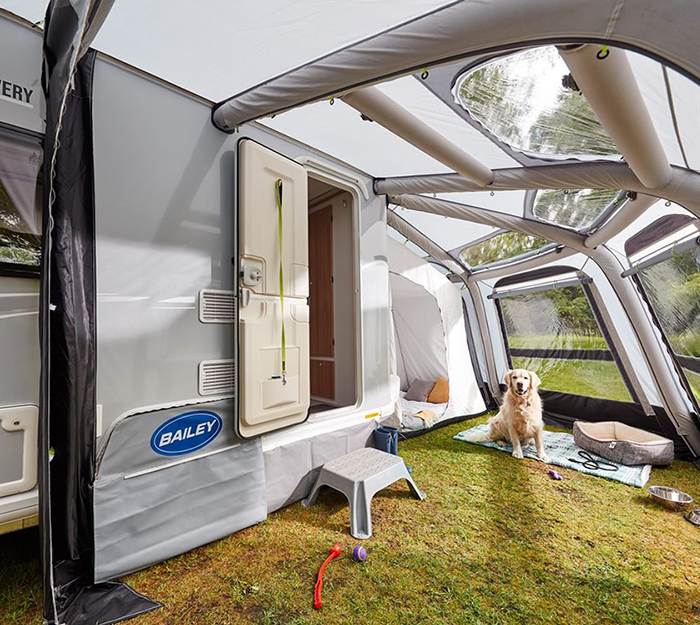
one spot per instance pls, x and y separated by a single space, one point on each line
520 418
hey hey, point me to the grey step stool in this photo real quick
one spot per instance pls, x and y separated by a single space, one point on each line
360 475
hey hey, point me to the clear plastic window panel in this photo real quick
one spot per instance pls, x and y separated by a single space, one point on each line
577 208
503 246
522 100
555 334
20 200
673 288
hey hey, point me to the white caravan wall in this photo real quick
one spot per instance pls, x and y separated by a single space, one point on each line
165 229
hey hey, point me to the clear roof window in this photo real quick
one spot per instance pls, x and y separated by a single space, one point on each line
574 209
503 246
522 99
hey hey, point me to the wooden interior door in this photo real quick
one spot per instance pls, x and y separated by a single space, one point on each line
322 344
321 282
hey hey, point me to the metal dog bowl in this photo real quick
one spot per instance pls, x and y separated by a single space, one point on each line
693 516
670 497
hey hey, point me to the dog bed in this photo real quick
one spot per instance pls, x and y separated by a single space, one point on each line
623 444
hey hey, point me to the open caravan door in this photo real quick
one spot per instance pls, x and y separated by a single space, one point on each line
273 381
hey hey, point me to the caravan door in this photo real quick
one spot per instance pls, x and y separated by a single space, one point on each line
273 377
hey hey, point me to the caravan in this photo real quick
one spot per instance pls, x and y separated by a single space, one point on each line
203 300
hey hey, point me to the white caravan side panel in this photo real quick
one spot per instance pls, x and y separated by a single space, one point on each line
269 400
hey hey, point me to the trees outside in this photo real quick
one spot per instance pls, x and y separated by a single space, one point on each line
577 208
673 287
521 99
502 246
16 246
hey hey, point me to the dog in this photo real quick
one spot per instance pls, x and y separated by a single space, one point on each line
520 418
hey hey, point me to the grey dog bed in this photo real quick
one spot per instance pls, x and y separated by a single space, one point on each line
623 444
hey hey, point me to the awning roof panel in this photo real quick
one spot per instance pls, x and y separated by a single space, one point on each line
410 93
650 78
338 130
218 47
447 232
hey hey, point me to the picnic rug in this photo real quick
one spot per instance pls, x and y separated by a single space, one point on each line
560 447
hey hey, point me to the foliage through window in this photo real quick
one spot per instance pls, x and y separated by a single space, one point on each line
521 99
20 200
576 208
500 247
555 334
673 288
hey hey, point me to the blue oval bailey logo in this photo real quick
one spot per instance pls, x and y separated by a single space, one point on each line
186 432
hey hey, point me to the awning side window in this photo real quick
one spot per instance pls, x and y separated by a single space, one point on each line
20 202
554 332
672 287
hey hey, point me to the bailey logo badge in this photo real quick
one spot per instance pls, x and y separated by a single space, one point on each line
186 432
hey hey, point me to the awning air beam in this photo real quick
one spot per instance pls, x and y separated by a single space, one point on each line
379 108
609 85
620 220
683 189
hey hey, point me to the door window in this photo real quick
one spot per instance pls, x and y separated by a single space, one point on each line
20 201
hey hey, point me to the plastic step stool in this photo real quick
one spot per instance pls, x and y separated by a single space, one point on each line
359 476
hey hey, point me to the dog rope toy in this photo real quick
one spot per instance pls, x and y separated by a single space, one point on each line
334 553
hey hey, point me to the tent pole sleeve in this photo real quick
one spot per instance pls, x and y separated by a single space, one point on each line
620 220
380 108
684 188
611 89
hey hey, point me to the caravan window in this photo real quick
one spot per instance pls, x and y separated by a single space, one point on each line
20 201
673 290
555 333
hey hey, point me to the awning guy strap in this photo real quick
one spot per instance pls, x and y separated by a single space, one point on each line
278 190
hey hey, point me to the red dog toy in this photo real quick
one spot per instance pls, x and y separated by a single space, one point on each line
335 552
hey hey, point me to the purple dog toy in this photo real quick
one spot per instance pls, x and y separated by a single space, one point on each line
359 554
554 475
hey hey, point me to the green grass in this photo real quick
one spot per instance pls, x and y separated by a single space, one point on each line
495 543
694 380
592 378
565 341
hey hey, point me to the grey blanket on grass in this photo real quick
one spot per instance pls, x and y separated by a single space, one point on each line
560 447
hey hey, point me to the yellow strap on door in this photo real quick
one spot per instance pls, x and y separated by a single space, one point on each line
278 192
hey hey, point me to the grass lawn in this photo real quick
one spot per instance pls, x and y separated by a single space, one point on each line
496 542
592 378
694 380
563 341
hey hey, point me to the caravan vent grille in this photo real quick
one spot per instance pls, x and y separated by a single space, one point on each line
217 377
217 306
